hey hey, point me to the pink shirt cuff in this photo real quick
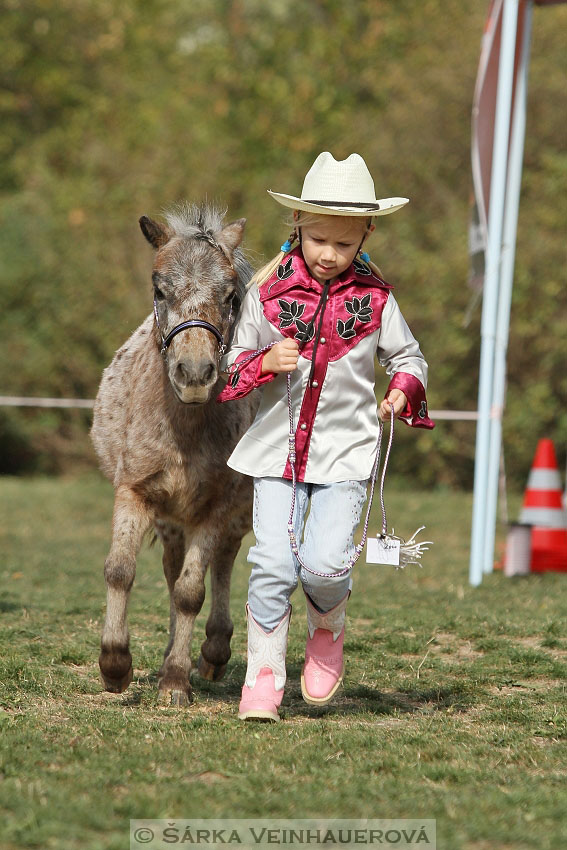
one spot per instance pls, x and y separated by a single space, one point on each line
246 377
415 412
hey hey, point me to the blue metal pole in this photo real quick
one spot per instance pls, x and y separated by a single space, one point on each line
491 284
515 160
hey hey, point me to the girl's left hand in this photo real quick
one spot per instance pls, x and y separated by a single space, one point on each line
395 397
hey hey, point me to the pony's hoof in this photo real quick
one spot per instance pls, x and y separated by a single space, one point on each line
115 666
116 686
171 696
211 672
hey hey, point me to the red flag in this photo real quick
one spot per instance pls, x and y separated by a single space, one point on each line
484 107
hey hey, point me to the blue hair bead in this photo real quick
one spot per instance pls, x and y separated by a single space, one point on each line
286 246
365 257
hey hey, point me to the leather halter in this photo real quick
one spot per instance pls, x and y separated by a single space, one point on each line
191 323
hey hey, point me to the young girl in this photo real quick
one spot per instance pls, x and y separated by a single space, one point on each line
325 314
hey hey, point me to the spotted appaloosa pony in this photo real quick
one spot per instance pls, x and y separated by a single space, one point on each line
163 441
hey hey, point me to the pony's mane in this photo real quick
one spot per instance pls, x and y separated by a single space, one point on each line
192 219
201 222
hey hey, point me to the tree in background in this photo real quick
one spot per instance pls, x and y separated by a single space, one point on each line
111 111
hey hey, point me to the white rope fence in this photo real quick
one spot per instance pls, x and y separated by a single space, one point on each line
20 401
88 403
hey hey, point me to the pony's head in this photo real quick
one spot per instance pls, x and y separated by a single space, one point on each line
199 279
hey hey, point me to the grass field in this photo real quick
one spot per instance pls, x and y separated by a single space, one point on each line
453 705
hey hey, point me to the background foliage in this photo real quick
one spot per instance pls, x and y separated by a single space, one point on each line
110 111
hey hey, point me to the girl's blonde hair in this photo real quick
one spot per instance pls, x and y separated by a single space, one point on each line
301 220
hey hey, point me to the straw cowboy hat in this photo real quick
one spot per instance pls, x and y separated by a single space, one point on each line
343 187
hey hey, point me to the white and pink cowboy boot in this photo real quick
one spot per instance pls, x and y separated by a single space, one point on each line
324 665
263 687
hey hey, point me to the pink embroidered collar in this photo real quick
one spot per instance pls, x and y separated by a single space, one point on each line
293 272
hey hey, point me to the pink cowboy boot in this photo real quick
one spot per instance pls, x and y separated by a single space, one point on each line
324 665
265 675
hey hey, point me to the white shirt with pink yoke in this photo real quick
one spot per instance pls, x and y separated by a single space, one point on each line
333 394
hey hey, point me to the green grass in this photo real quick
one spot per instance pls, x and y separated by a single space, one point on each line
453 705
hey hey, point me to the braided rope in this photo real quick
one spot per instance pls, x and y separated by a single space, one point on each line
232 370
386 459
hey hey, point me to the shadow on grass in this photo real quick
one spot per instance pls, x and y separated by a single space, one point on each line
131 698
6 606
362 700
349 700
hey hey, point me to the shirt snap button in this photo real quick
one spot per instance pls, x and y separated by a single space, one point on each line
314 383
303 426
322 340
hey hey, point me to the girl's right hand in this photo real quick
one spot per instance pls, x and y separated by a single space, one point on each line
282 357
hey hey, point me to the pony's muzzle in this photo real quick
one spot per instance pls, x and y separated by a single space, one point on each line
193 380
194 374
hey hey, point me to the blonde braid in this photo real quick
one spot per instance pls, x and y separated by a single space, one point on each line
263 274
373 267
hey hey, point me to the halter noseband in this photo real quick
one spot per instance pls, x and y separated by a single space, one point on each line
192 323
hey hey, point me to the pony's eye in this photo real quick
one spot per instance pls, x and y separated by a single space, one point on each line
230 297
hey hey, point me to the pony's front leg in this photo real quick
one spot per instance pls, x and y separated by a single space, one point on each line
188 597
215 650
131 519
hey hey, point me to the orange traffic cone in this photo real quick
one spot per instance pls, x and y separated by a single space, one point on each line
543 509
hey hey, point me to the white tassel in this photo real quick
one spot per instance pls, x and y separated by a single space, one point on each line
410 550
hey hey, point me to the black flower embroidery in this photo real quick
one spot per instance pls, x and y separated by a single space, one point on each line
305 331
290 312
234 378
285 270
360 311
346 329
360 308
361 268
422 410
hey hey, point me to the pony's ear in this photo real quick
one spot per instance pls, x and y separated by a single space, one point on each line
156 234
230 236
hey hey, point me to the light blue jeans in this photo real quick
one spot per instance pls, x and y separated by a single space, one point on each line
326 546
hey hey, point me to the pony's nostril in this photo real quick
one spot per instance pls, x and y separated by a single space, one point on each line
181 375
208 372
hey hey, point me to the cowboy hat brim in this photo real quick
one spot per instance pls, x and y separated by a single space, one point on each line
383 206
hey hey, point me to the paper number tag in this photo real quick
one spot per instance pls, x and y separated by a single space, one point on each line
383 550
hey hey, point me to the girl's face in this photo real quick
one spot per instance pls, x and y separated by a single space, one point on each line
330 244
